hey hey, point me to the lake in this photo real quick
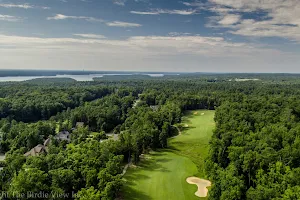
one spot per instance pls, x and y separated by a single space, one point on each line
75 77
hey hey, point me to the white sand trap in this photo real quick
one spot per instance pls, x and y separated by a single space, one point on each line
195 113
202 113
185 125
202 185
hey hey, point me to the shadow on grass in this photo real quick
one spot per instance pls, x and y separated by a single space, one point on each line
185 130
133 194
171 149
135 176
154 164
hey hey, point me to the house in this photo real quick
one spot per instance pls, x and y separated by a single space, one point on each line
79 124
155 108
63 135
47 142
112 136
41 149
37 150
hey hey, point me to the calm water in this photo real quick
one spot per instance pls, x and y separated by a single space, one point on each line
75 77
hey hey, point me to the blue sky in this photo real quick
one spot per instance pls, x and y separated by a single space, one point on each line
151 35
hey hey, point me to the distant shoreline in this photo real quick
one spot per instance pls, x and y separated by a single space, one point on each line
20 73
87 77
47 73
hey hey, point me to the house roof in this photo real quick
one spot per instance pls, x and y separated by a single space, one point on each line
79 124
35 151
47 142
154 108
63 135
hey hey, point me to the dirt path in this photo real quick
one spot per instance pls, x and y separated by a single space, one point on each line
126 168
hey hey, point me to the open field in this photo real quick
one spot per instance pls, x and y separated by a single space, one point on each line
162 175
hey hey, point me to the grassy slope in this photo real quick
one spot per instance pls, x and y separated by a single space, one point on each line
162 175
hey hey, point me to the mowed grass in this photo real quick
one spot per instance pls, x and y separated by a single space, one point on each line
161 175
194 141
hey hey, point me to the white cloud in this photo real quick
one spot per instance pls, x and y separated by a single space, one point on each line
175 44
24 6
178 34
266 28
159 53
10 18
64 17
164 11
92 19
94 36
280 18
143 1
229 19
144 13
119 2
178 12
122 24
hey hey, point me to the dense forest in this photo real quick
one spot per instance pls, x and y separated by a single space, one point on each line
254 151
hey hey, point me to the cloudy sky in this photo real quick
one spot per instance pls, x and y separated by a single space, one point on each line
151 35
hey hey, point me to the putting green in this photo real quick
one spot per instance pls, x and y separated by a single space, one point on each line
162 175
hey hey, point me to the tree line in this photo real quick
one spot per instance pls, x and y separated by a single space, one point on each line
254 150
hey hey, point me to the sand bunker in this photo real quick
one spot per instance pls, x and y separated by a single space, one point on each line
185 125
202 113
195 113
202 185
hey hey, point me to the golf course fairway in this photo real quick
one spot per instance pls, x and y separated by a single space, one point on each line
162 175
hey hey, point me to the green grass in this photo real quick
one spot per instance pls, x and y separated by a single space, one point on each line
193 143
162 174
92 134
57 127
